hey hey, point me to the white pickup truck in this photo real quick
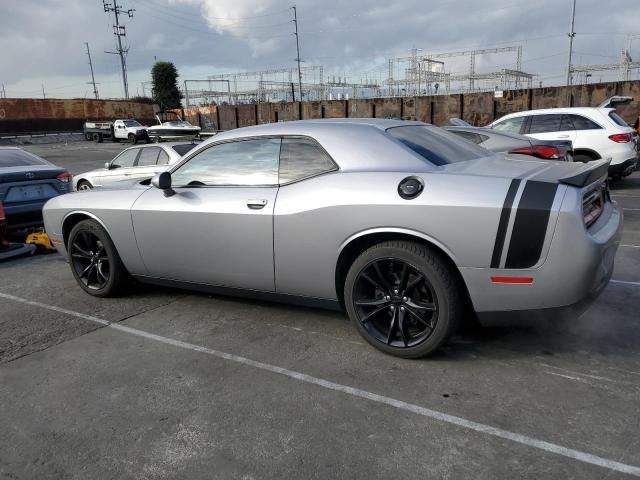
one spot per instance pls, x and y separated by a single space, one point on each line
130 130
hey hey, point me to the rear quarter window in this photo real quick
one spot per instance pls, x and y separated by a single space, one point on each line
436 145
184 148
617 119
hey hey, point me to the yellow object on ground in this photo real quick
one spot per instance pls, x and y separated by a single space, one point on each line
40 239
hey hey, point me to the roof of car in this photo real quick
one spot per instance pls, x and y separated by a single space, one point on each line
487 131
311 127
542 111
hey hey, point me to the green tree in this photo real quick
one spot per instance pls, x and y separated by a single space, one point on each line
164 76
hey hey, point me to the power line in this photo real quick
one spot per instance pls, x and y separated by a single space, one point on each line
93 80
120 31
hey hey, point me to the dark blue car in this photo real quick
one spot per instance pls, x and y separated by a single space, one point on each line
26 183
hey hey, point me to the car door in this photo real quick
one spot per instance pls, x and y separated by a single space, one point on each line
217 228
118 169
554 126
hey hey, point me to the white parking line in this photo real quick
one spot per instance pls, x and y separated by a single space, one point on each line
629 246
631 209
355 392
624 195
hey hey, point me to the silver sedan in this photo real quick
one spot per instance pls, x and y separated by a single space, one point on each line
402 224
135 164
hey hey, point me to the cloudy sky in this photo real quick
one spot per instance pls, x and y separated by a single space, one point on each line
43 40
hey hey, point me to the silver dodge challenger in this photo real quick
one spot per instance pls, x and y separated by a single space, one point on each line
402 224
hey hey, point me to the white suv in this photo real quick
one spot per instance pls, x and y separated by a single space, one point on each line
595 132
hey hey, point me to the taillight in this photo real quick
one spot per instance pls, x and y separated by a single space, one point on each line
3 216
541 151
65 177
593 203
621 137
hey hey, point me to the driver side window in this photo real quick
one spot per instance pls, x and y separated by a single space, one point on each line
251 162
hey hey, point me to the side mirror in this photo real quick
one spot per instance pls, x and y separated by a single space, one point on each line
107 165
162 181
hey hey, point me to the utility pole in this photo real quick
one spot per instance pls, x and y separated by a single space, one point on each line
571 35
295 22
93 80
44 95
120 31
4 94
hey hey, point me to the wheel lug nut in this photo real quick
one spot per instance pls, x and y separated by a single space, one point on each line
387 298
404 299
393 307
402 309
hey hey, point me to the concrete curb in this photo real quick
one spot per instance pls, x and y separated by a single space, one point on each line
42 139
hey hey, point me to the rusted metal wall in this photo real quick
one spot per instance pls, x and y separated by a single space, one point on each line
20 115
38 115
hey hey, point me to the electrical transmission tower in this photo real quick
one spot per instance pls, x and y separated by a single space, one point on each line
93 80
120 31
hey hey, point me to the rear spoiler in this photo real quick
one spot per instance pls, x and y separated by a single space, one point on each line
616 100
588 175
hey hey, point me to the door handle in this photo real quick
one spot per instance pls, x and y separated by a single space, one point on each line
256 204
563 136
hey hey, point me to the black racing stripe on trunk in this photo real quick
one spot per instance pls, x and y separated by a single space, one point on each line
530 225
504 223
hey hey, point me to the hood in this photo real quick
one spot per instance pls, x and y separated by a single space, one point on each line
571 173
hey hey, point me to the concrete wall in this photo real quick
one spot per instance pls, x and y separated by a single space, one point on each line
38 115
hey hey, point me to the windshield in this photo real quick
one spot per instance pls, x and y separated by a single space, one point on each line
17 158
437 145
178 123
132 123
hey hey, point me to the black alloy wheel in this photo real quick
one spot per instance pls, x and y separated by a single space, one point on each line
403 297
94 261
90 260
395 302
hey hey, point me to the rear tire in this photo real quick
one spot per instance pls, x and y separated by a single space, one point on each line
94 261
97 137
132 139
403 298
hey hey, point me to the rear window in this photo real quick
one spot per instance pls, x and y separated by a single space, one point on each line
437 145
184 148
17 158
617 119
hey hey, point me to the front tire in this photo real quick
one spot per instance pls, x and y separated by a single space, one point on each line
94 261
84 185
403 298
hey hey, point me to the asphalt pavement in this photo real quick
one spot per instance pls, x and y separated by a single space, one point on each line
170 384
